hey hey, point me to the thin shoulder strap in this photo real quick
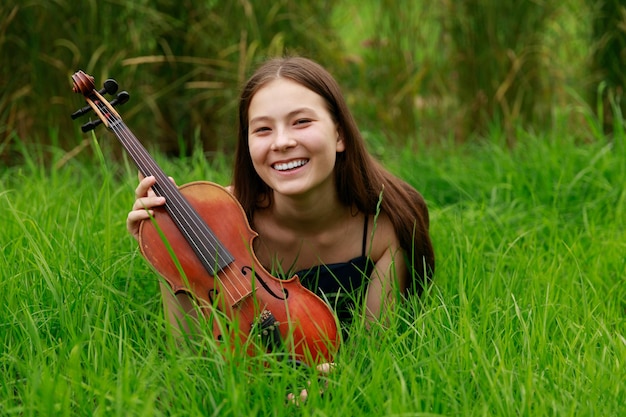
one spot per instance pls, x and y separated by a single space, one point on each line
365 235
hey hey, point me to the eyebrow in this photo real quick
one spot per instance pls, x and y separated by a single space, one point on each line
289 115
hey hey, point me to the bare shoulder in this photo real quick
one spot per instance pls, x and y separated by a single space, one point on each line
390 270
382 236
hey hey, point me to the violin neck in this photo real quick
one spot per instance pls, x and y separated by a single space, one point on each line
145 163
213 255
210 251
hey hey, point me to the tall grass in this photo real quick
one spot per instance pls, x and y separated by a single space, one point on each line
407 66
608 43
500 50
526 316
182 65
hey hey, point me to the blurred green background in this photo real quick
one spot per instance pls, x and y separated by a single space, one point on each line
413 71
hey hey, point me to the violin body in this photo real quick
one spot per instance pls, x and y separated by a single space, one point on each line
200 241
306 324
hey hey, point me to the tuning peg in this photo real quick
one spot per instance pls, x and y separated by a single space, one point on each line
121 98
109 87
80 112
90 125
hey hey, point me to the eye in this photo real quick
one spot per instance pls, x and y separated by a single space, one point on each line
302 121
261 129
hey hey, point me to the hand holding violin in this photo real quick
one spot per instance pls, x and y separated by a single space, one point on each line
146 200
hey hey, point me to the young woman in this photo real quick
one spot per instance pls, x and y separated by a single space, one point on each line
322 206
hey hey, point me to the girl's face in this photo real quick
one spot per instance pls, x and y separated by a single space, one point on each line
293 139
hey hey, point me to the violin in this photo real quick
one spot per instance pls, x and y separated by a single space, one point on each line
201 243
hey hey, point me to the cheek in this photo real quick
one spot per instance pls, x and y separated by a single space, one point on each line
255 149
257 154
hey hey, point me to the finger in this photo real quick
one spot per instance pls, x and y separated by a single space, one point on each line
146 203
304 395
134 219
143 187
139 215
326 368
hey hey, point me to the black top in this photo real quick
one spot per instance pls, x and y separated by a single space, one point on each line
341 284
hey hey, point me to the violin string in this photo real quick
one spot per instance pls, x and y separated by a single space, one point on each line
186 215
191 224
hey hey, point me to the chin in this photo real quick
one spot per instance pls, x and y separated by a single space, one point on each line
291 191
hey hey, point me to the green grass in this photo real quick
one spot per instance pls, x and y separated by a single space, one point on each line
526 316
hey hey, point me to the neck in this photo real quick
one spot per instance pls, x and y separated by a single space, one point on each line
308 214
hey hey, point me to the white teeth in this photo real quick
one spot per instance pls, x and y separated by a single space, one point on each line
290 165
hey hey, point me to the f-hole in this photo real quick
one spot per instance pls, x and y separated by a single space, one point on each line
285 293
213 294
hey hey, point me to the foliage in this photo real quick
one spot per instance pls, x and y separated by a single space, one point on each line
393 56
500 59
609 58
182 61
440 69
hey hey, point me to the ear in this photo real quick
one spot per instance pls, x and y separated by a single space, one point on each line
341 146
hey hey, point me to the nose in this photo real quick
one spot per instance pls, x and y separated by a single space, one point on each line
282 140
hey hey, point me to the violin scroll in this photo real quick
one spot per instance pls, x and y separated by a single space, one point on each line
85 85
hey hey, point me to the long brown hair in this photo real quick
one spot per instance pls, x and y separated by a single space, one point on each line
359 178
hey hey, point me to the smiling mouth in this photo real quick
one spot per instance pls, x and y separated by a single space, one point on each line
290 165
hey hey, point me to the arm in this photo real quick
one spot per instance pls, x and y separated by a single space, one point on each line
390 271
388 277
